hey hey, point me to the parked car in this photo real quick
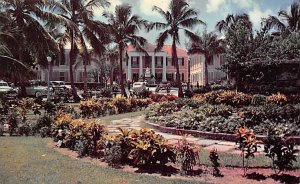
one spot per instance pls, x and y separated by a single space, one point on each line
6 91
37 88
138 87
59 84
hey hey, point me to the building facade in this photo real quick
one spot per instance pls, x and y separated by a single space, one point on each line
159 63
197 68
135 64
59 69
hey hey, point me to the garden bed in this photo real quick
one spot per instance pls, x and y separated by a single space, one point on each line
224 111
211 135
201 174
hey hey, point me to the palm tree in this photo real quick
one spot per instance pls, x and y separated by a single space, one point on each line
179 16
123 28
209 45
33 42
231 21
8 36
290 21
81 29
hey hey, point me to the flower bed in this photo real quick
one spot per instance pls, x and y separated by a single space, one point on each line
213 114
101 107
146 149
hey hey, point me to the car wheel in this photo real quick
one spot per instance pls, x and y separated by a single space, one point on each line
38 94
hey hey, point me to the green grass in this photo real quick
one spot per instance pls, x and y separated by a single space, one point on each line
29 160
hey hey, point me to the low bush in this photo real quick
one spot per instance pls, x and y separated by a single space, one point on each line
279 99
94 108
188 154
162 98
281 152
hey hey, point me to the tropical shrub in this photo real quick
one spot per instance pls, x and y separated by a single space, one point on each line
113 153
150 148
281 152
43 126
214 159
258 99
187 154
162 98
247 144
122 104
88 108
279 99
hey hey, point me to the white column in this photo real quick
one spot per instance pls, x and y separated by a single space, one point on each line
164 76
203 70
129 77
140 66
153 65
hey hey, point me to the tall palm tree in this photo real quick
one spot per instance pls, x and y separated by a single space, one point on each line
289 22
179 17
29 17
209 45
231 21
82 29
123 27
8 36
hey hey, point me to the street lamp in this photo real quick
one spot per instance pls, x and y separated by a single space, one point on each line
48 90
189 73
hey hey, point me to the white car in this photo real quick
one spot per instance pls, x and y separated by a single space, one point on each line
7 91
37 89
138 87
60 84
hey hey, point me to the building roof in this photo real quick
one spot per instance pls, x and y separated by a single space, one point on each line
167 48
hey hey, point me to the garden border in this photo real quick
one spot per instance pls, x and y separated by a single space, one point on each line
211 135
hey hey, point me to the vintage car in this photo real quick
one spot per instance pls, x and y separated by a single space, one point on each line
138 87
37 88
7 92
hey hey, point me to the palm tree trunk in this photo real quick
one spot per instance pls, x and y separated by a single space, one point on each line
72 55
121 72
175 61
206 71
85 75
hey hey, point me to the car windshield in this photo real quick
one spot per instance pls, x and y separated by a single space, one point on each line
58 83
137 84
3 84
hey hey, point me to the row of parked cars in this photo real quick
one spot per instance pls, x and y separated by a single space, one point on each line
33 88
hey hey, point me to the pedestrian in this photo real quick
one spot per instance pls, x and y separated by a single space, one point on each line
198 85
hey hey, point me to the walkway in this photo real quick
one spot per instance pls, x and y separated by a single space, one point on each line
139 122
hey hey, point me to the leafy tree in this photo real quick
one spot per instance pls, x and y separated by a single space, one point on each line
237 44
123 28
209 45
179 17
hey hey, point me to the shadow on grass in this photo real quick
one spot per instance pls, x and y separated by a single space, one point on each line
256 176
286 178
167 170
158 169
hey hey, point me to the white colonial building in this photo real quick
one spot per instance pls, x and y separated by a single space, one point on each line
214 66
159 63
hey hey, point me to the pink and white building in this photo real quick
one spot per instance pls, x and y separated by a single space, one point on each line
159 63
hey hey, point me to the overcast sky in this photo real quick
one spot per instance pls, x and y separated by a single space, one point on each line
210 11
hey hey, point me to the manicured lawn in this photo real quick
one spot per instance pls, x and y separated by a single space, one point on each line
29 160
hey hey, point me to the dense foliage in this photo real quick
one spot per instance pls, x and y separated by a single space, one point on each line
224 111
